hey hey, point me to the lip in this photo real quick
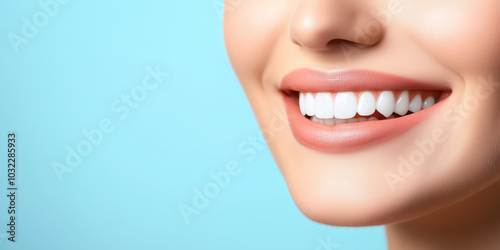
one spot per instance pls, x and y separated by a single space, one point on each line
355 136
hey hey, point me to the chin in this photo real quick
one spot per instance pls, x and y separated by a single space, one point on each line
404 124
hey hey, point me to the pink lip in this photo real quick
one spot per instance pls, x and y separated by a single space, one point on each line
309 80
348 137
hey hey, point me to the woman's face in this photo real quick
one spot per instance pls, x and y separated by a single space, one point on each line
391 107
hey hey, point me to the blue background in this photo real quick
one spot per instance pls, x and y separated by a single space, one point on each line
126 193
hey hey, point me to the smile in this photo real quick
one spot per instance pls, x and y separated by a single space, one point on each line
340 111
352 107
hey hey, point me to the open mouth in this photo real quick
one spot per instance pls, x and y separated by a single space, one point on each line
353 107
340 111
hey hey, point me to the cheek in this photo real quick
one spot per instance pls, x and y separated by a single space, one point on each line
251 29
462 34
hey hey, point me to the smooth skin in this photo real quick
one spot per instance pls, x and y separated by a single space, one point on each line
451 199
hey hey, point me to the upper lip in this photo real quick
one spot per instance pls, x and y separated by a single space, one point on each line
313 80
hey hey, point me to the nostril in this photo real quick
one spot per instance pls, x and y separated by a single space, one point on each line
325 25
345 44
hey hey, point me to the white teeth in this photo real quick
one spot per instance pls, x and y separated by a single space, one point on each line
302 103
309 104
428 102
323 106
366 104
342 107
345 105
402 104
386 103
416 104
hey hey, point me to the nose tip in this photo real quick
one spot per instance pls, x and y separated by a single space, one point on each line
320 24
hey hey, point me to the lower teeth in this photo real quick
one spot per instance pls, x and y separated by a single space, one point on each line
335 121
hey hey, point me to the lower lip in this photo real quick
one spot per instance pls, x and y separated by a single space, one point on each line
349 137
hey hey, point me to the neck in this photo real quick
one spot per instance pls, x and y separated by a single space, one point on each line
473 223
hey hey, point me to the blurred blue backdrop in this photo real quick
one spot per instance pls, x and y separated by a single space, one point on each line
110 146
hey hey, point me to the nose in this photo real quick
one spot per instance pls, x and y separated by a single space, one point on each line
322 24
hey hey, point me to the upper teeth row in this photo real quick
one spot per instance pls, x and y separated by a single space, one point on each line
345 105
